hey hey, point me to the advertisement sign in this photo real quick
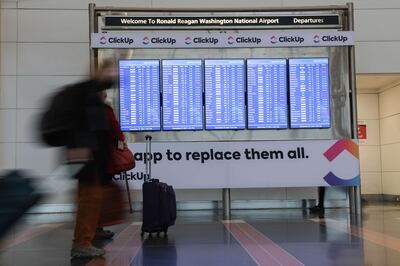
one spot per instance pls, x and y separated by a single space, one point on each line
190 39
248 164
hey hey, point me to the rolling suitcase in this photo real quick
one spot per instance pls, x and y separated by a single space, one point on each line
17 195
159 202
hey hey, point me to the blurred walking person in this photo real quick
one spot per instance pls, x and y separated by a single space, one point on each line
77 119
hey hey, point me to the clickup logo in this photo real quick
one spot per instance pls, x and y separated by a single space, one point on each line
188 40
333 152
274 39
231 40
317 38
103 40
146 40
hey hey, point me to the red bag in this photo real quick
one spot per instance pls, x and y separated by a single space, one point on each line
121 160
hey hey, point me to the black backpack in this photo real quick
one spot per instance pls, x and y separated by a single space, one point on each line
68 109
59 117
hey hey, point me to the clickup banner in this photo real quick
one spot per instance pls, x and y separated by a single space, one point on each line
248 164
196 39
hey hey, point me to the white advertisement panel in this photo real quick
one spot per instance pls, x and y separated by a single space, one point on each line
198 39
249 164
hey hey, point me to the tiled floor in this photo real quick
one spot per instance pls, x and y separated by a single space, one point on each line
263 237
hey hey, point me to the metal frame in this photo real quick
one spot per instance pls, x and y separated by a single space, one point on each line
354 193
223 10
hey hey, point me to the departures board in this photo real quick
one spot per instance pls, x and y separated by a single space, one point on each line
224 94
309 93
139 95
182 91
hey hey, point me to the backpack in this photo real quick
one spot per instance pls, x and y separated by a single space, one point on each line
58 119
68 109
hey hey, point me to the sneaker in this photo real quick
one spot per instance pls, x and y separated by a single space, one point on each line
86 252
104 234
317 209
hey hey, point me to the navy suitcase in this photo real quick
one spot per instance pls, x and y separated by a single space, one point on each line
159 202
17 195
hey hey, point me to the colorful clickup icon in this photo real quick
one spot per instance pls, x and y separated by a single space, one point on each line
332 153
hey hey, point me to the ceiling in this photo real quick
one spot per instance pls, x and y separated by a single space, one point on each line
373 83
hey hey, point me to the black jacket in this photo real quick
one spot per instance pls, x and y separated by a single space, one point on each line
77 116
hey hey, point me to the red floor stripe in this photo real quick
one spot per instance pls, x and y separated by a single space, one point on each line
26 235
268 245
363 233
262 249
123 250
251 246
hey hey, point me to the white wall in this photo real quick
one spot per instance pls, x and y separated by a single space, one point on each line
390 140
44 44
370 156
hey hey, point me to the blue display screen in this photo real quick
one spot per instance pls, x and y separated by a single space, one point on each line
266 93
224 94
182 94
139 82
309 93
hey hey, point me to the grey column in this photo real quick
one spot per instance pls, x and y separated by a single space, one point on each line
355 195
226 203
92 29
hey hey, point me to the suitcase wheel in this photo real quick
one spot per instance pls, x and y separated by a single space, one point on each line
142 234
158 234
166 233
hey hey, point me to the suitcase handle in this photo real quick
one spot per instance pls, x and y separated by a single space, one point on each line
148 159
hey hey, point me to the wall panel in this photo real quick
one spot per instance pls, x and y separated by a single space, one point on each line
378 57
390 130
390 157
391 183
33 91
80 4
8 120
8 25
8 58
385 24
371 183
8 92
214 4
70 59
389 102
368 106
358 4
370 159
27 125
8 4
53 26
7 156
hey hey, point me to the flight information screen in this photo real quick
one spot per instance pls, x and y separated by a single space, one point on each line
266 93
139 82
224 94
309 93
182 94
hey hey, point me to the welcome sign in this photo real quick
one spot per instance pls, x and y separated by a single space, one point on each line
248 164
263 21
